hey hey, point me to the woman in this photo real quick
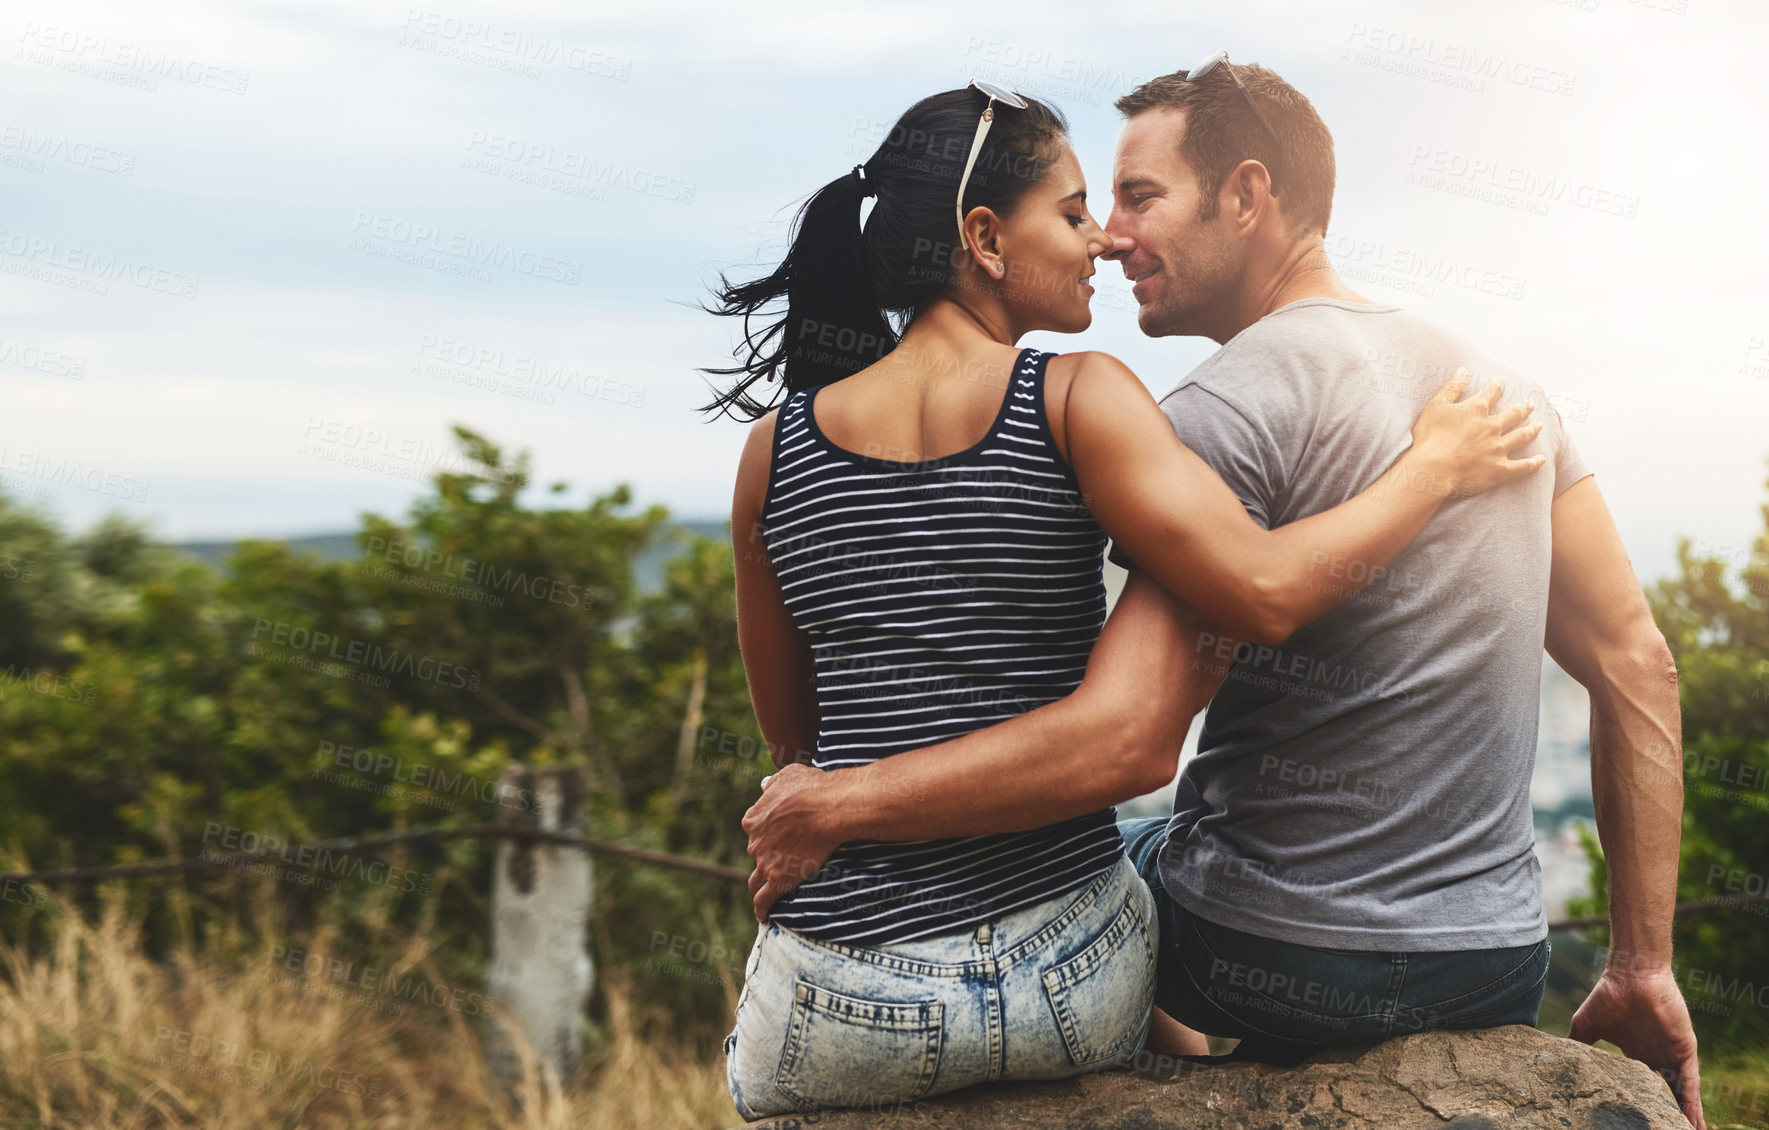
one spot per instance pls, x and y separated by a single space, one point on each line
920 526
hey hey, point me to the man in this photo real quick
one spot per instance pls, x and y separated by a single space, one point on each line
1350 855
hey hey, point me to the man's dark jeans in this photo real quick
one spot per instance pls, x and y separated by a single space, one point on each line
1285 1001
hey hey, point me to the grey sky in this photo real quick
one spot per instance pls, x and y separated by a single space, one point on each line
255 258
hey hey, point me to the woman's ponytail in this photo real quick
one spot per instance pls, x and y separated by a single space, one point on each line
832 328
849 294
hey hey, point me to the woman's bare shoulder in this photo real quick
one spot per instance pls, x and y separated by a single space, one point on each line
753 465
1089 365
1090 377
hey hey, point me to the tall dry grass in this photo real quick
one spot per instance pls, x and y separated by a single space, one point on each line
97 1035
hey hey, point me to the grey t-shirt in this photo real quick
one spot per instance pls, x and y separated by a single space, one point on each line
1365 784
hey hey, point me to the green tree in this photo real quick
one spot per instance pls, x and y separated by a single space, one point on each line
151 699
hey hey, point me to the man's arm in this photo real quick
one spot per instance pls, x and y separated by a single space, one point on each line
1601 631
1117 736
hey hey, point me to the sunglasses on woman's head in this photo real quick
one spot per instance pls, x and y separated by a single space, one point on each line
996 94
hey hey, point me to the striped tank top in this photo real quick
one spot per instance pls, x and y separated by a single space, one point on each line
940 597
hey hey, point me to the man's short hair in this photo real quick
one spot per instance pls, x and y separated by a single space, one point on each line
1221 132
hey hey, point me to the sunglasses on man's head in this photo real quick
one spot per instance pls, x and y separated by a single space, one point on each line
1220 59
996 94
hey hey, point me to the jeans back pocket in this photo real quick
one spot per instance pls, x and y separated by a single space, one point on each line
1101 997
844 1051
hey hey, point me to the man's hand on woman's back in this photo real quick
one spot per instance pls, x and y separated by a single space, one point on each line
788 838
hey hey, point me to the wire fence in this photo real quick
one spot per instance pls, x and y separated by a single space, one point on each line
425 834
647 856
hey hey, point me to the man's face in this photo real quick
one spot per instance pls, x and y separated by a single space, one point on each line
1179 265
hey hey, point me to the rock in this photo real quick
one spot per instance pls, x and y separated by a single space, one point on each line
1486 1079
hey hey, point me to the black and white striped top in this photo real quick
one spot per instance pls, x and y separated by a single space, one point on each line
940 596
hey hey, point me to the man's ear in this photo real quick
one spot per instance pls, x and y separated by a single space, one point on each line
1248 193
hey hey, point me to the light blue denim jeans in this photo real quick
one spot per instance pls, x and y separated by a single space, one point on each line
1046 992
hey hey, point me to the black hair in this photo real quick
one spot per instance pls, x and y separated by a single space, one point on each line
850 292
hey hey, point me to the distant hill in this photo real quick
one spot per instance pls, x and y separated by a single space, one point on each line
330 547
647 567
